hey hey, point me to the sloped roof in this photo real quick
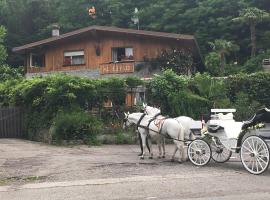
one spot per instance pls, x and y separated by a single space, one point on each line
78 32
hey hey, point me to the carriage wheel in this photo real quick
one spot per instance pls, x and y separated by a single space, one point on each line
220 153
199 152
255 154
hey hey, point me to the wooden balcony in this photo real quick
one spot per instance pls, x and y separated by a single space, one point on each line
122 67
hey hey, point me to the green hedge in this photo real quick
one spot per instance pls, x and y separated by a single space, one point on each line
193 96
256 86
75 125
43 97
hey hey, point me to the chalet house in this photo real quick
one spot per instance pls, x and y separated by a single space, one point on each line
100 51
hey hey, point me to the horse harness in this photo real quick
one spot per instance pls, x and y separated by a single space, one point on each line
159 125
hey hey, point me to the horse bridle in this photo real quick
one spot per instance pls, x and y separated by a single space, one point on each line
125 121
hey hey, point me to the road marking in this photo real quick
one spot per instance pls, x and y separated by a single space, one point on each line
111 181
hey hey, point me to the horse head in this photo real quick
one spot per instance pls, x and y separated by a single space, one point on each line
151 110
126 121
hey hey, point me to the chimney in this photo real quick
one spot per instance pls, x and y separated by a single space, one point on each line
55 30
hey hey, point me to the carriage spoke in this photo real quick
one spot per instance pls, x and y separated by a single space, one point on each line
262 160
247 149
259 148
250 146
257 165
260 163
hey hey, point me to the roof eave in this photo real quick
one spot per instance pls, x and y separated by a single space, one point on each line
22 49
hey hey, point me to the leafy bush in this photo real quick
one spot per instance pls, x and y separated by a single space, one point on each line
48 95
176 95
212 62
254 64
180 61
188 104
161 86
245 106
256 86
76 125
179 95
8 73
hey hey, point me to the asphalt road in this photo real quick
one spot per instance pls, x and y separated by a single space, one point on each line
115 172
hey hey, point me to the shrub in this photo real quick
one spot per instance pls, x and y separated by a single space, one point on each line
188 104
8 73
180 61
212 62
178 95
256 86
254 64
245 106
76 125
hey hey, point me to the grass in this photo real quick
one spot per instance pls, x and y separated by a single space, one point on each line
20 180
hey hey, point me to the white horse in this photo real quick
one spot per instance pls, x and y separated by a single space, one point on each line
169 127
185 121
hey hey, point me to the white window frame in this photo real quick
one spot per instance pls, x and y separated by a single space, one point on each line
74 54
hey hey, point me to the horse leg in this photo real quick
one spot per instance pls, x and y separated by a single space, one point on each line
163 146
141 146
175 150
143 136
150 148
180 146
159 145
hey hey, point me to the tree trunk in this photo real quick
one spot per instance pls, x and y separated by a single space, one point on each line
253 38
222 62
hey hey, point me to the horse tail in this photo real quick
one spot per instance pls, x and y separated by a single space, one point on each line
181 134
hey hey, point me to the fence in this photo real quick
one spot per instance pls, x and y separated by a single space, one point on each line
11 123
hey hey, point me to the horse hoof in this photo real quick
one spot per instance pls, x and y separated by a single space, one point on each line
180 161
142 158
140 154
159 157
151 157
163 156
172 160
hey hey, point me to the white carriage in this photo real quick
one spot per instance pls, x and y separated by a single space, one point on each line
223 135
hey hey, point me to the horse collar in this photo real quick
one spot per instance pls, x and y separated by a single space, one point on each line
141 118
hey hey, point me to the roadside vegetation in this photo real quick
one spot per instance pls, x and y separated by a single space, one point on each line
234 38
64 109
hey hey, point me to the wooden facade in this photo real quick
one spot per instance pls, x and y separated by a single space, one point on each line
98 50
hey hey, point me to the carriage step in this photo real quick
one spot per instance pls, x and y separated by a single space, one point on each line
264 130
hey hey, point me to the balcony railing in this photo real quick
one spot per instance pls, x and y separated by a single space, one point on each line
122 67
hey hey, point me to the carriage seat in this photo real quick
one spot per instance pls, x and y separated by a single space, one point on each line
261 116
214 128
228 116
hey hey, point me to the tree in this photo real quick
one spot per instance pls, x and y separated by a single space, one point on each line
252 16
180 61
3 52
6 72
223 48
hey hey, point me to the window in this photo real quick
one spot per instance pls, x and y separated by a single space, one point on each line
121 53
74 58
37 60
